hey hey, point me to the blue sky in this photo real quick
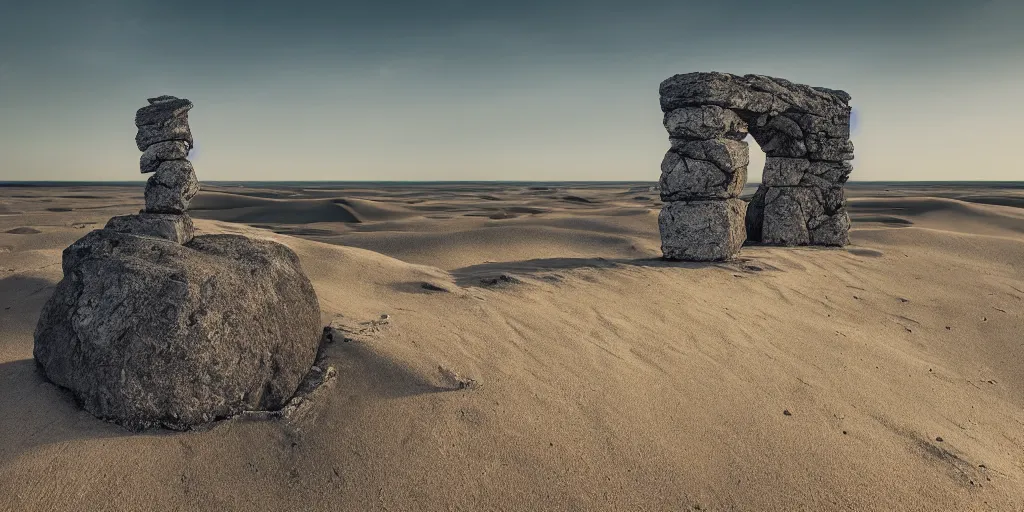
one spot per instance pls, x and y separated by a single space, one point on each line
526 90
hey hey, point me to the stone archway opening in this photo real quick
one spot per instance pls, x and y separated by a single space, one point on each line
805 135
755 169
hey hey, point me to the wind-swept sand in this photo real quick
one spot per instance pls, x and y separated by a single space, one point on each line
888 375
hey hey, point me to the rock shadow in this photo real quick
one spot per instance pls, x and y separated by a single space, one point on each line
36 413
548 268
362 369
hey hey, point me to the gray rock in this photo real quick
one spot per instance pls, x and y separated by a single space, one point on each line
685 179
147 332
756 94
837 126
174 227
804 215
175 128
800 172
171 187
705 122
161 99
702 230
828 149
160 112
160 152
726 154
721 89
832 172
784 172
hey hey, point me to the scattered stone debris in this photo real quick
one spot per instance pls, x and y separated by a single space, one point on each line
457 381
786 412
503 279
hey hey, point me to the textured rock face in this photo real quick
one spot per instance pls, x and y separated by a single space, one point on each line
164 138
148 332
702 230
161 152
176 228
152 325
171 187
804 132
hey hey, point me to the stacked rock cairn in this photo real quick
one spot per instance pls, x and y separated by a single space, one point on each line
165 139
154 326
805 134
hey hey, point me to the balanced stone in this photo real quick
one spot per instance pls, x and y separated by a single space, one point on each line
177 228
175 128
160 152
702 230
147 332
171 187
162 111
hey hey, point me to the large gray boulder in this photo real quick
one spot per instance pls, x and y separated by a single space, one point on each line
147 332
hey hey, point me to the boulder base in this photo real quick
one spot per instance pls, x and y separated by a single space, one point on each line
146 332
798 216
702 230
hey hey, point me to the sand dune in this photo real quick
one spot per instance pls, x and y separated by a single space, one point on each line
888 375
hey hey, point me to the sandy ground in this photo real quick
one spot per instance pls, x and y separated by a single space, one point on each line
888 375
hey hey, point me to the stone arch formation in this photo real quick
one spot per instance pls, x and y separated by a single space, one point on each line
805 134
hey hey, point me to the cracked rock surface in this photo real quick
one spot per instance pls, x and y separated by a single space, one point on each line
804 131
165 139
154 326
176 228
171 187
146 332
702 230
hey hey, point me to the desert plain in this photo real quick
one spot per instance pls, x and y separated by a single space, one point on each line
522 346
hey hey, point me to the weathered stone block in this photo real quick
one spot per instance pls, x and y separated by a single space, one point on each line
175 128
804 215
168 226
726 154
162 111
684 179
828 149
702 230
161 152
704 122
171 188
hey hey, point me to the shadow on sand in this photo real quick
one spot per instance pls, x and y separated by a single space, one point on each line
546 267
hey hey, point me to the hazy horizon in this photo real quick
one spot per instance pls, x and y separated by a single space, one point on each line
455 91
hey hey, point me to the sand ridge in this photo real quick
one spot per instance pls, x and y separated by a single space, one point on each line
602 377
